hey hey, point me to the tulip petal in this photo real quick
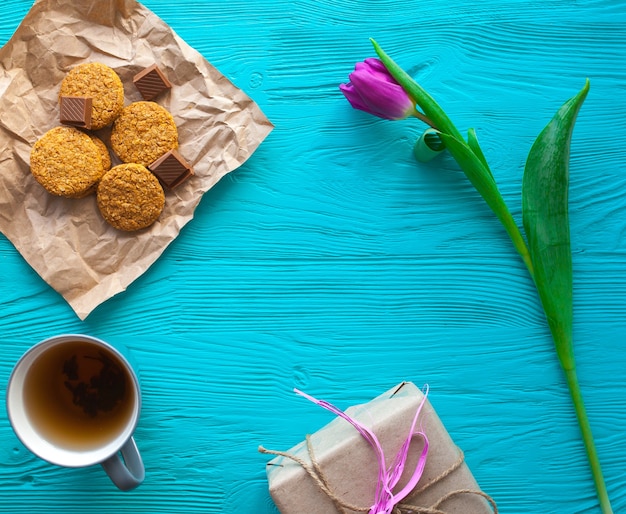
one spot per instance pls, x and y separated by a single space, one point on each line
376 67
353 97
383 98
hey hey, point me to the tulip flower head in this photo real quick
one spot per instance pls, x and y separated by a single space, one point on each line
372 89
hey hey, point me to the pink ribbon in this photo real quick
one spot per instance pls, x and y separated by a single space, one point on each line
385 500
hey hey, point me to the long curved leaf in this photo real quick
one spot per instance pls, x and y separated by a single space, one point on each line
546 222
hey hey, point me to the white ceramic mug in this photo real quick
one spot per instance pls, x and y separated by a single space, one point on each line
74 401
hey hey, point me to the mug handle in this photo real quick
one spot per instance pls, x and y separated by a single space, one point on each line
128 473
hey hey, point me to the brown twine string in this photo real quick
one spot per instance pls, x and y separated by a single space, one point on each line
318 476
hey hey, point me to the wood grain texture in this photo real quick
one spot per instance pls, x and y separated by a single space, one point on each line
332 262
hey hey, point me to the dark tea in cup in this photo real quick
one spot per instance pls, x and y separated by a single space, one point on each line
78 395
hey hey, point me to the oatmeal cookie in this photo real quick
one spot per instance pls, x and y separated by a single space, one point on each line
104 152
130 197
66 162
143 132
106 160
100 83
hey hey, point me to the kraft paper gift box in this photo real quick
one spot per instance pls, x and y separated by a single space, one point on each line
350 471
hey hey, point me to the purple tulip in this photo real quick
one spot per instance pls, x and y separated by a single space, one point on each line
372 89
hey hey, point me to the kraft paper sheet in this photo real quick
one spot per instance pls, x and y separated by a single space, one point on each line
66 241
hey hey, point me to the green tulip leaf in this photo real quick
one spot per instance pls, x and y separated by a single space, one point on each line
472 141
546 222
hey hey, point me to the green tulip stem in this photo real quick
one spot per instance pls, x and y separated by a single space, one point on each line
424 118
590 447
546 250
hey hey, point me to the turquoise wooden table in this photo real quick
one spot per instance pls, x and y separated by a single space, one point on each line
333 262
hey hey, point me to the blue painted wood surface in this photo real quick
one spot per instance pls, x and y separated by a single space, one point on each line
331 261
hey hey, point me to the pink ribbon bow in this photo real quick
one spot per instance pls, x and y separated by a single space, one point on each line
385 500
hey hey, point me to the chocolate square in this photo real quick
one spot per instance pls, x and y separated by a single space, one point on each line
171 169
151 82
76 111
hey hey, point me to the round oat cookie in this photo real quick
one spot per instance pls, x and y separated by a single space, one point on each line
100 83
66 162
106 159
143 132
104 152
130 197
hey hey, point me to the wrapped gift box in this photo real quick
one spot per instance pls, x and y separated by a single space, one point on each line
350 469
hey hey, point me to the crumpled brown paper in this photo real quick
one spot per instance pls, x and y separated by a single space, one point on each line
66 240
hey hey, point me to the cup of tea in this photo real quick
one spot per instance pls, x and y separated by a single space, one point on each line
74 401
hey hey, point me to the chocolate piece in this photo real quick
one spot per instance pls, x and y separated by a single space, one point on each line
151 82
171 169
76 111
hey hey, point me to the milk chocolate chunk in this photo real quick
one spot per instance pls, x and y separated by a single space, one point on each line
171 169
76 111
151 82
